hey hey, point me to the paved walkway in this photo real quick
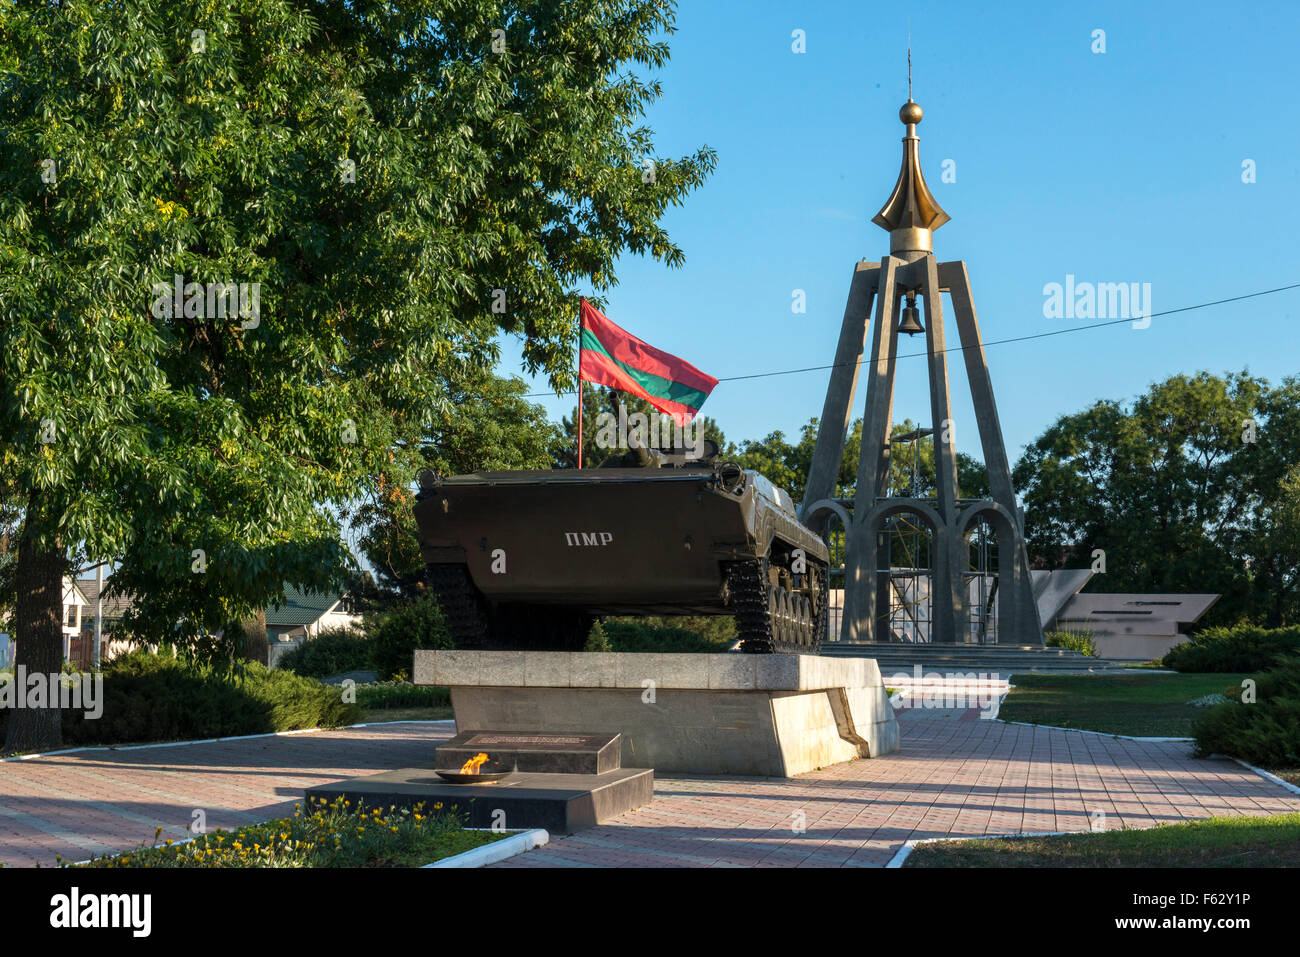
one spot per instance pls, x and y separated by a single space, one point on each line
957 776
101 801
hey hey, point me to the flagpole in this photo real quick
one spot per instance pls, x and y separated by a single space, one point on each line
580 301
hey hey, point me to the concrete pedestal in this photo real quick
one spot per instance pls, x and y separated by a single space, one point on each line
768 715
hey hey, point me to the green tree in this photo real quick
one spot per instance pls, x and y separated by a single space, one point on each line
1179 490
565 452
598 402
912 464
401 182
1271 544
487 425
396 633
776 459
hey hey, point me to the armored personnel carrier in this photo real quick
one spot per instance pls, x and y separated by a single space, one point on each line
527 559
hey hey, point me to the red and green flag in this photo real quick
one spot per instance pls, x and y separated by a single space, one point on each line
613 357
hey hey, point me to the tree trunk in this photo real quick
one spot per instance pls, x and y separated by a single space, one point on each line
38 620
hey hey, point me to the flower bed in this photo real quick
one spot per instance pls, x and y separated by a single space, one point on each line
334 834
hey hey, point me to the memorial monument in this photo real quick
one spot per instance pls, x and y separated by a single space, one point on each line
892 286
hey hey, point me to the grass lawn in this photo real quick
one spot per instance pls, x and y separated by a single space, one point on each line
1272 841
1143 705
338 834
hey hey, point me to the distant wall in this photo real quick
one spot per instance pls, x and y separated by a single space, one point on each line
1136 647
278 647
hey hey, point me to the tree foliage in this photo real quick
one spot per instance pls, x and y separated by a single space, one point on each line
487 425
912 465
1190 488
403 181
599 402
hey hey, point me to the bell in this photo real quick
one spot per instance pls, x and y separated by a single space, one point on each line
910 321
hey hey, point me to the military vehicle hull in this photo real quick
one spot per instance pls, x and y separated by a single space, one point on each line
527 559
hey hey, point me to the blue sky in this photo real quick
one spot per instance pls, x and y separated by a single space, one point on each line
1122 166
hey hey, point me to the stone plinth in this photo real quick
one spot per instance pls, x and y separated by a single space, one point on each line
771 715
561 803
540 753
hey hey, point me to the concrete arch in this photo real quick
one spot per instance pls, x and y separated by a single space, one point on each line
816 510
1013 621
895 506
967 515
874 599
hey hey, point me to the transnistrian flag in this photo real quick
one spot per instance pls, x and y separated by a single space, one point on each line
612 357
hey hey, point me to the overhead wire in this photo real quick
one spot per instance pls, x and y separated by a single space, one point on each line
985 344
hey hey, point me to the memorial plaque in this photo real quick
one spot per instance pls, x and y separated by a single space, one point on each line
560 753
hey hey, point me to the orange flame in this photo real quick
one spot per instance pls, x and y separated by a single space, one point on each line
473 764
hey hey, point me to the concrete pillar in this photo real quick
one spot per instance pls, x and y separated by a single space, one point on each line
1010 612
884 586
1017 590
862 562
947 602
838 408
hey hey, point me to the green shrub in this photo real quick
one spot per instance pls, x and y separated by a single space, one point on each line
1235 649
158 697
1080 641
597 640
332 652
397 633
1265 732
401 694
646 635
715 629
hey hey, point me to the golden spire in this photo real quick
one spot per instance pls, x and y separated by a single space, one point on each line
911 214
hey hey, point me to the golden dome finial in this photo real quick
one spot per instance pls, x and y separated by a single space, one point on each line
911 214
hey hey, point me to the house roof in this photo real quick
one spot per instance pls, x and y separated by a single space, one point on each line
115 606
72 590
298 607
301 607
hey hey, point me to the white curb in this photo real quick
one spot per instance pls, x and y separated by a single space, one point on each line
1271 777
909 846
517 843
1104 734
